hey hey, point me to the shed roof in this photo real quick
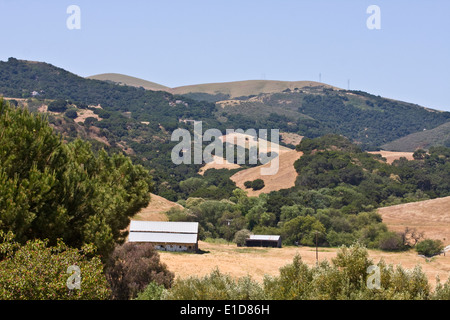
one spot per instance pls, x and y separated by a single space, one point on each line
264 237
164 226
161 237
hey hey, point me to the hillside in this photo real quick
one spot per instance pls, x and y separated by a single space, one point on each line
283 179
232 89
156 209
129 81
308 108
431 217
246 88
422 139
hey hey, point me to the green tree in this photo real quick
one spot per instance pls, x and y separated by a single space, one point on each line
429 247
51 190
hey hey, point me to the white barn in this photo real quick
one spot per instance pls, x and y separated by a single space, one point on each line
166 236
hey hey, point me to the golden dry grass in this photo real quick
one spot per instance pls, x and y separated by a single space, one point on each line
129 81
155 211
283 179
291 138
257 262
83 114
431 217
246 88
215 164
391 156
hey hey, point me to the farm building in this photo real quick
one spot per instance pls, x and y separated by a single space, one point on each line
166 236
263 241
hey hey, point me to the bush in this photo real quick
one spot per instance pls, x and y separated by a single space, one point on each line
36 271
241 236
153 291
429 247
248 184
215 286
57 106
132 267
257 184
71 114
391 241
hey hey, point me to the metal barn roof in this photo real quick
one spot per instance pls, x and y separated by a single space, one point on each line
158 237
264 237
163 226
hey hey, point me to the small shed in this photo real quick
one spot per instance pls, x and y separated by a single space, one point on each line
166 236
254 240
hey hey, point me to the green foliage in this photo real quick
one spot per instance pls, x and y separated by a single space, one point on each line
57 106
257 184
215 286
241 236
51 190
153 291
429 247
36 271
71 114
132 267
392 241
346 279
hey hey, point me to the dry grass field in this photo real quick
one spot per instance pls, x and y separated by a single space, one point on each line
283 179
431 217
257 262
391 156
215 164
156 209
130 81
246 88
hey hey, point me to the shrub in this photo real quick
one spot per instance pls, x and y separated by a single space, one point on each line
57 106
36 271
241 236
153 291
391 241
429 247
248 184
257 184
71 114
215 286
132 267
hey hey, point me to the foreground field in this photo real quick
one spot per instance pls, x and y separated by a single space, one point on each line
257 262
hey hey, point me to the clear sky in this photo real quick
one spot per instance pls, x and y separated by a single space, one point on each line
181 42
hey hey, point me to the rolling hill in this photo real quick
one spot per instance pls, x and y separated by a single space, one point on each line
247 88
308 108
429 216
232 89
422 139
129 81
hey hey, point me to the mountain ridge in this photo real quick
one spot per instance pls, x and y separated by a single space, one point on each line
234 89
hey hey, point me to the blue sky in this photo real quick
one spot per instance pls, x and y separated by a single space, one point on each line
181 42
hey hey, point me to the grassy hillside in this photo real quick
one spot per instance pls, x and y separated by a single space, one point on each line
129 81
232 89
430 217
246 88
422 139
